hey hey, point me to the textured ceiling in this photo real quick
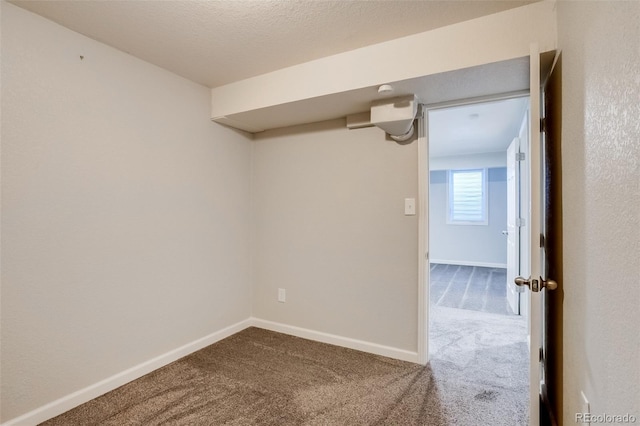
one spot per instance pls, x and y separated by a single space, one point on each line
218 42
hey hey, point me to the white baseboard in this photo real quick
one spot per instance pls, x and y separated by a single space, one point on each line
74 399
333 339
70 401
469 263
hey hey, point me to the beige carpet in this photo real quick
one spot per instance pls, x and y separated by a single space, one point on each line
480 362
258 377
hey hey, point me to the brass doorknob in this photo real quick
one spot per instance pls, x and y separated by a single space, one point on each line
521 281
537 285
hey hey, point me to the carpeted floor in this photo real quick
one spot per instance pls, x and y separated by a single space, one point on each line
477 376
481 362
469 287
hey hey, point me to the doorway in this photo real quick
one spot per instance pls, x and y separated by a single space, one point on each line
478 324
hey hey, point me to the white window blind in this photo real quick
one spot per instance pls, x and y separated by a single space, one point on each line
467 197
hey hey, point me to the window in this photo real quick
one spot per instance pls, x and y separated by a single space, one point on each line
467 197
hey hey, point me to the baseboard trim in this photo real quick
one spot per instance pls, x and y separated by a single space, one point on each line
333 339
74 399
469 263
81 396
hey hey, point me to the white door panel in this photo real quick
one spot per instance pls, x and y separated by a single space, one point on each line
513 231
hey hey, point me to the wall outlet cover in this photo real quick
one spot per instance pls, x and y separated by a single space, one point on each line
409 206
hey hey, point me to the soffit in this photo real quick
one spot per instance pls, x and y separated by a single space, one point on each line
468 83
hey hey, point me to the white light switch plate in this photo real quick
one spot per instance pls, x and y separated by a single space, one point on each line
409 206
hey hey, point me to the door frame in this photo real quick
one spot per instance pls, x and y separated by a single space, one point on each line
424 268
423 209
539 68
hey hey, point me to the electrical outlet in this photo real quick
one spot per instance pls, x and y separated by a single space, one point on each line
282 295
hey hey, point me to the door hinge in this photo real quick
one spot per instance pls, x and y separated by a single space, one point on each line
543 124
519 156
542 240
520 222
541 355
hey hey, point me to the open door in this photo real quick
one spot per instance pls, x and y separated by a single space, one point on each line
551 391
533 263
537 281
513 230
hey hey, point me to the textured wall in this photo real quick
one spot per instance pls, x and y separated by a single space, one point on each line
330 229
468 244
124 213
600 44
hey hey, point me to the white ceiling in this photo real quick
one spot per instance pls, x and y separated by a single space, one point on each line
220 41
475 128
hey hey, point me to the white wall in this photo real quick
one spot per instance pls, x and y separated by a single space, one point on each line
600 44
479 245
330 229
125 213
125 228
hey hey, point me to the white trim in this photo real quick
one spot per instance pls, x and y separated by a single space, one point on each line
81 396
333 339
478 100
470 263
423 238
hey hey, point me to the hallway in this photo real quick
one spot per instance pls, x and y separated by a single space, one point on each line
469 287
477 346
